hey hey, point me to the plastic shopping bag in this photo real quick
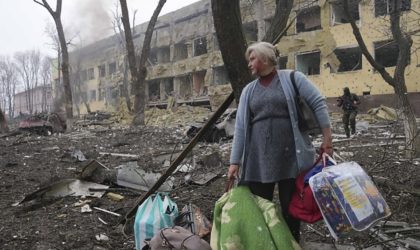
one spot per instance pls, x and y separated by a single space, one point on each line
153 215
347 198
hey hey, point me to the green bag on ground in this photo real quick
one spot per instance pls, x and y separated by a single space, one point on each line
242 220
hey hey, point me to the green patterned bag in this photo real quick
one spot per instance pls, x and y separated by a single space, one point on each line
245 221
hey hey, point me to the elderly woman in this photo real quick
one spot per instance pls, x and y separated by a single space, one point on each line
268 147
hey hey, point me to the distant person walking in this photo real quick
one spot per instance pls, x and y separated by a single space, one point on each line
349 102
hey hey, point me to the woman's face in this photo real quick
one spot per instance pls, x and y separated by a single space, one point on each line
255 64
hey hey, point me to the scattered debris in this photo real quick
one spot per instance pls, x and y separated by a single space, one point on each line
66 187
384 113
106 211
101 237
114 196
130 175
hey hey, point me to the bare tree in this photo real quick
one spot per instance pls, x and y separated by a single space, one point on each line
138 71
119 34
228 24
8 81
45 74
28 65
77 82
51 32
397 80
232 43
56 15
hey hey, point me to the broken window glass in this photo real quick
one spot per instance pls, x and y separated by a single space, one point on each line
90 74
163 54
338 14
383 7
220 76
250 31
200 46
92 96
112 68
101 69
282 62
153 56
350 59
386 53
154 90
168 84
83 75
185 87
308 19
308 63
180 51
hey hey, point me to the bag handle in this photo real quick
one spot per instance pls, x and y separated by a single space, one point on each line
229 184
292 78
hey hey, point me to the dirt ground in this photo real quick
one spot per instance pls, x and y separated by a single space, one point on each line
29 161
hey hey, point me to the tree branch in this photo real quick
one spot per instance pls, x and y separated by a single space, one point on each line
381 69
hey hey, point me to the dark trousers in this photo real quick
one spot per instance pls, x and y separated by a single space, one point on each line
286 189
349 117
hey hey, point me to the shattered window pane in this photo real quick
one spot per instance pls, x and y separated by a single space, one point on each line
309 63
383 7
200 46
90 74
338 14
180 51
350 59
154 90
282 62
92 95
112 68
101 69
250 31
308 19
386 53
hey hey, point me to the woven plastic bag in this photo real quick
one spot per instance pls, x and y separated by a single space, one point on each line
347 198
153 215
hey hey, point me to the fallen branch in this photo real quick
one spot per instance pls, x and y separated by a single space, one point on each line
106 211
180 158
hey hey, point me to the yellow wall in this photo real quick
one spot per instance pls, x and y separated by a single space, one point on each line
341 36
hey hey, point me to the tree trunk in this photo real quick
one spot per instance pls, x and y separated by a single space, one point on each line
139 88
125 87
404 43
68 102
279 22
232 43
138 75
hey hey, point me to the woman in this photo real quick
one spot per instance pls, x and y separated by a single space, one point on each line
268 147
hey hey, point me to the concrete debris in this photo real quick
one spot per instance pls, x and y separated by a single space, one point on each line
185 168
106 211
114 196
362 126
86 209
67 187
132 176
395 234
95 171
179 116
101 237
383 113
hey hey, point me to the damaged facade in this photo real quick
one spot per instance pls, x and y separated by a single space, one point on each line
185 63
184 66
321 44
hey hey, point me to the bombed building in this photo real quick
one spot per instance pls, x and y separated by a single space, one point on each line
321 44
185 63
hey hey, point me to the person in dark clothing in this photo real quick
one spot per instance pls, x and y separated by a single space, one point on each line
349 102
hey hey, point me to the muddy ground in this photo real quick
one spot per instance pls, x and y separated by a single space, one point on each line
29 161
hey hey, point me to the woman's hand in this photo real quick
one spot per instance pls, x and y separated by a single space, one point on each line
233 172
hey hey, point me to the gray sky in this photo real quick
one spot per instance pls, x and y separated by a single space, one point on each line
23 22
